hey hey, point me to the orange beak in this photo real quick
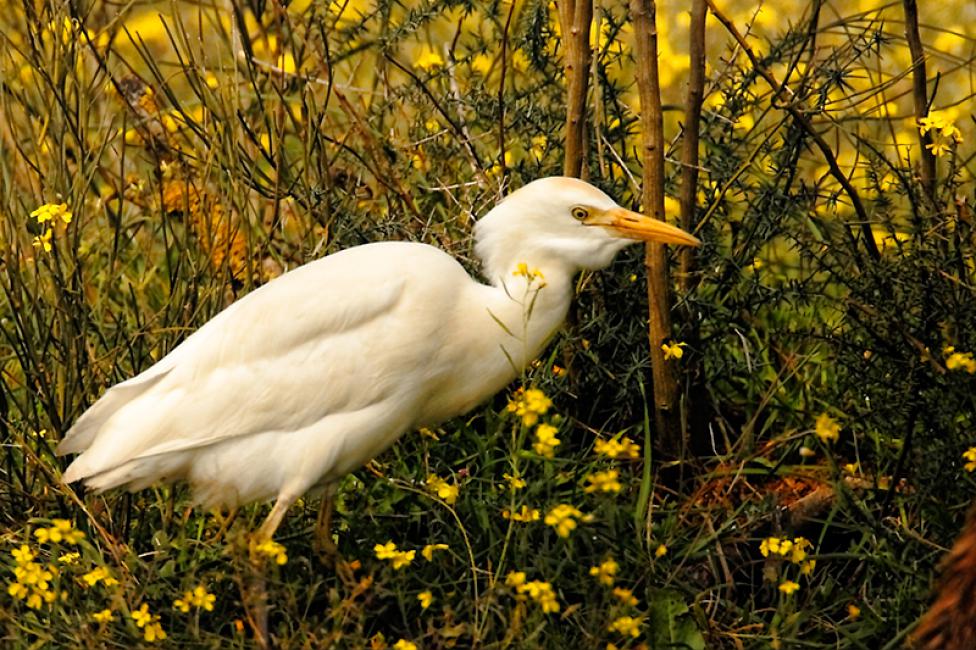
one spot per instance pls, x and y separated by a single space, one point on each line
632 225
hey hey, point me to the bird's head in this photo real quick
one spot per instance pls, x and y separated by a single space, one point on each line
567 222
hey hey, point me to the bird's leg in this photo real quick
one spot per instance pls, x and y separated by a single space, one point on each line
323 525
271 524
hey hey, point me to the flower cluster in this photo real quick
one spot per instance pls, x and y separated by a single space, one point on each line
447 491
795 551
199 597
425 598
529 405
99 574
514 482
939 125
625 596
606 571
627 626
827 429
526 514
32 580
397 558
563 518
149 624
272 549
970 457
617 448
546 440
539 591
606 481
61 530
959 360
47 217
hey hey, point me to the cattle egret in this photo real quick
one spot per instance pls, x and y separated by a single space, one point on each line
308 377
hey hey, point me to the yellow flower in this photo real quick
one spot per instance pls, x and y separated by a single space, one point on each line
428 551
661 550
43 240
806 568
99 574
69 558
429 60
626 596
799 549
142 617
52 212
606 571
959 360
24 555
853 611
403 644
529 405
526 514
199 597
522 270
447 491
563 518
515 578
788 587
622 448
938 148
827 429
183 604
514 482
769 545
603 482
969 455
481 64
103 616
425 598
539 145
273 549
627 626
153 632
673 350
546 440
17 590
385 551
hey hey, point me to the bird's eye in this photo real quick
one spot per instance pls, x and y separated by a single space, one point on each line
580 213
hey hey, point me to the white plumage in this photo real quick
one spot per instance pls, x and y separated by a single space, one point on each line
308 377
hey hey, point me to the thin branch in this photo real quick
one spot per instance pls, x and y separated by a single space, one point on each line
920 95
689 145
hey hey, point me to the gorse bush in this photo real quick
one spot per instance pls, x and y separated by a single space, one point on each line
161 160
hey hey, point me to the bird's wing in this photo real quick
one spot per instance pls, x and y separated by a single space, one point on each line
279 359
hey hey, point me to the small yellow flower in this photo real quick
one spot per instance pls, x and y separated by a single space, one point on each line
853 611
525 515
199 597
447 491
546 440
99 574
622 448
806 568
627 626
182 604
788 587
425 598
938 148
959 360
153 632
52 212
626 596
103 616
522 270
515 578
385 551
529 405
563 518
969 456
851 468
273 549
429 60
398 559
141 616
514 482
603 482
43 241
827 429
606 571
403 644
428 551
673 350
17 590
661 550
24 555
68 558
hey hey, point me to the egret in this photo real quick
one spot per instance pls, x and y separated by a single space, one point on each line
309 376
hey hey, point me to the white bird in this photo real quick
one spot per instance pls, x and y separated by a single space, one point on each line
308 377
